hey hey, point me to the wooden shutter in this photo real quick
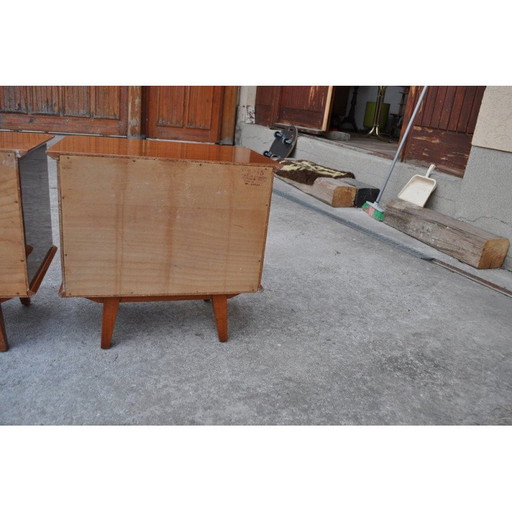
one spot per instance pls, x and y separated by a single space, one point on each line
444 126
100 110
307 107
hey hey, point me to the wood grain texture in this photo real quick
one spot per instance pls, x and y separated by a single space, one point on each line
16 152
337 193
444 127
189 113
307 107
229 107
158 149
13 273
328 190
76 109
185 112
135 103
21 143
448 150
467 243
135 226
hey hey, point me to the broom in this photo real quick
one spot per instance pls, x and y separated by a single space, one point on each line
373 209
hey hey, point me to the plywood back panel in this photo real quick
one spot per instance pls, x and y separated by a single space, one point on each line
13 276
133 226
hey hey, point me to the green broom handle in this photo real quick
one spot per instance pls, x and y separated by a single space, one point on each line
402 142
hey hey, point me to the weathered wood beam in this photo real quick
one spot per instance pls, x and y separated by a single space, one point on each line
467 243
345 192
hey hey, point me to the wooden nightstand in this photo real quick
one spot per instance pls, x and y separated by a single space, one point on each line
26 248
152 220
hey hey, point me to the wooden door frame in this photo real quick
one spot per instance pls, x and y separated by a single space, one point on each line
228 123
135 105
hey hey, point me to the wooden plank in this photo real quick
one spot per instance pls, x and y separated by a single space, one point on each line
467 243
444 149
327 109
412 98
425 115
13 274
333 192
438 107
134 111
457 104
447 108
467 107
229 104
475 109
136 226
267 104
327 191
305 106
337 193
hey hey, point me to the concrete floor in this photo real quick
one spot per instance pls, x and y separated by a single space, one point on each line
355 326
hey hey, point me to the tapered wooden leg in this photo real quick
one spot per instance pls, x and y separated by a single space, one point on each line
110 308
25 301
4 346
220 310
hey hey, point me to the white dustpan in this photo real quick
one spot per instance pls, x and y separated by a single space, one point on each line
418 188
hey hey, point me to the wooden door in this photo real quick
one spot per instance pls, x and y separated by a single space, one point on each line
98 110
184 112
307 107
444 126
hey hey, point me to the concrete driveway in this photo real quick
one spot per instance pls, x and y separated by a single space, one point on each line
356 326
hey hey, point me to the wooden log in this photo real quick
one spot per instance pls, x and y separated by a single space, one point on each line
467 243
343 192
